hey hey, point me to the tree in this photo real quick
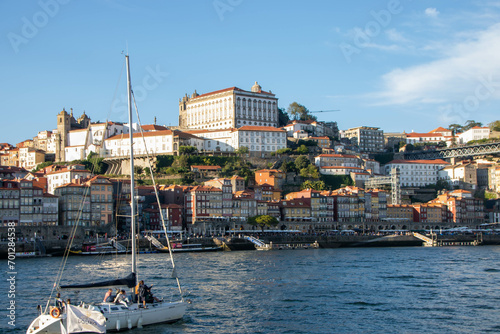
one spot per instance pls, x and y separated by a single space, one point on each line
138 170
242 150
187 149
316 185
455 128
181 162
299 112
310 172
470 124
302 149
263 221
284 151
283 117
302 162
288 166
494 126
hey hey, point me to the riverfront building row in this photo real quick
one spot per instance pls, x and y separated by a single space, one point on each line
225 204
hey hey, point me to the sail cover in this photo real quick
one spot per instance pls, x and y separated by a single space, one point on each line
129 281
81 320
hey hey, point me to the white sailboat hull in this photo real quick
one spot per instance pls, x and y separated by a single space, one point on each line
137 317
122 319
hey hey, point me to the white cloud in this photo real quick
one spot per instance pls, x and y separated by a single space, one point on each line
431 12
460 75
395 36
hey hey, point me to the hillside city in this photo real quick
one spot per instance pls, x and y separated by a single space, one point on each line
235 156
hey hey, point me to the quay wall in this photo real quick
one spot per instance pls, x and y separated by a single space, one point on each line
56 247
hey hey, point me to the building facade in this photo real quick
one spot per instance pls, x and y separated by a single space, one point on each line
369 139
229 108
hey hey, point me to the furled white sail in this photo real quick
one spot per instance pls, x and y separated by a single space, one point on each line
81 320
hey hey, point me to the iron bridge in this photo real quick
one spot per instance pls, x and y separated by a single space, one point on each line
455 152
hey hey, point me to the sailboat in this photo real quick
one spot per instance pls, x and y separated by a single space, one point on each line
100 317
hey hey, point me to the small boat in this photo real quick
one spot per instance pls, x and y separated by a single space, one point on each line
182 248
99 317
93 248
234 243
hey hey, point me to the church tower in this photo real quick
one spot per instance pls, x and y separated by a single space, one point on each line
63 127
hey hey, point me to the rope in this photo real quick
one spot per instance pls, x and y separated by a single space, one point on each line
157 197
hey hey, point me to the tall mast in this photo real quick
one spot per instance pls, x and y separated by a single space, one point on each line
132 181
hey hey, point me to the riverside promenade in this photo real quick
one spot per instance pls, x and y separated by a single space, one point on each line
56 247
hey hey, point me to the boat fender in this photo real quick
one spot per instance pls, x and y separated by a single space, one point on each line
55 312
118 324
129 323
139 323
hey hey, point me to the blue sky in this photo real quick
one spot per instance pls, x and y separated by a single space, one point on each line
400 65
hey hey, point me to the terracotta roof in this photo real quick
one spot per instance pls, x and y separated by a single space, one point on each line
433 162
207 167
440 129
337 156
414 134
340 167
259 128
227 90
146 134
153 127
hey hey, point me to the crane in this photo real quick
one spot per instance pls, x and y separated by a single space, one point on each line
317 111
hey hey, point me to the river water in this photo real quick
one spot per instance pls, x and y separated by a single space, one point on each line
355 290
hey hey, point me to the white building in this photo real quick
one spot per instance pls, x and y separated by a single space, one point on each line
72 174
416 173
345 160
154 143
475 133
219 140
30 157
431 137
340 170
228 108
260 139
463 175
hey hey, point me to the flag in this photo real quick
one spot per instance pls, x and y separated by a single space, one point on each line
82 320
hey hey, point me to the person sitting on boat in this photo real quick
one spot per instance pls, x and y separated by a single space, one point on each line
59 302
137 288
150 298
122 298
108 298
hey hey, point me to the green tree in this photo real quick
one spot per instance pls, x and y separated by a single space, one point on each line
302 149
302 162
288 166
263 221
187 149
470 124
181 161
310 172
299 112
138 171
315 185
283 117
284 151
494 126
455 128
242 150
